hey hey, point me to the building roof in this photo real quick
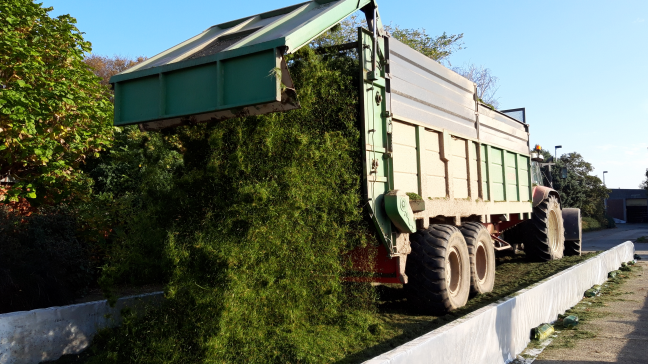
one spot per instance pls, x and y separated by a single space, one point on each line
623 193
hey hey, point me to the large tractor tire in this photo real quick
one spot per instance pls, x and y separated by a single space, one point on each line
482 257
438 269
573 231
546 234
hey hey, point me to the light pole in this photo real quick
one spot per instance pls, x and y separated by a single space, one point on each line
605 199
555 151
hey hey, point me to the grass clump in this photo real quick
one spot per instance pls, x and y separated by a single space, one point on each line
414 196
256 222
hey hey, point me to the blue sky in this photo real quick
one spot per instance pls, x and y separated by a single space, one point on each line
579 67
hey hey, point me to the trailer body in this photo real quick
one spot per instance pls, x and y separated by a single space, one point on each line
432 137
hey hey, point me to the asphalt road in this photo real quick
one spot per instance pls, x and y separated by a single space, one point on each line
606 239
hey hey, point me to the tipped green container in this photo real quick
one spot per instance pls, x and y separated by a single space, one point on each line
593 291
570 321
542 332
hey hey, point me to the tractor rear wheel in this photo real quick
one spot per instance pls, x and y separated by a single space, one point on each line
438 269
482 257
546 234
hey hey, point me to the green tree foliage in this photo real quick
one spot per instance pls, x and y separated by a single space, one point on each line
438 48
644 184
580 189
53 111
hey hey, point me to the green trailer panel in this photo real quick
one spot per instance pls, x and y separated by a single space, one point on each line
231 69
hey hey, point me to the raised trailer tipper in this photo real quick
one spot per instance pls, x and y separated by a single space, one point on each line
447 180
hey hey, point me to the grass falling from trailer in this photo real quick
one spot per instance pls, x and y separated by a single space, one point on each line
256 224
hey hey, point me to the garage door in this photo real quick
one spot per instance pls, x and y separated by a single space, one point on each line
637 209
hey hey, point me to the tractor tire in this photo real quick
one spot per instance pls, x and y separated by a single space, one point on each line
573 231
546 234
438 268
482 257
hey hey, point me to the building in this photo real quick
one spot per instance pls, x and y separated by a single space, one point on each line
628 205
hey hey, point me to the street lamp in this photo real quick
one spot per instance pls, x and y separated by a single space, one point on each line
555 150
605 199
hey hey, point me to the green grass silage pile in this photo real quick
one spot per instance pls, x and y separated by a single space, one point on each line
256 224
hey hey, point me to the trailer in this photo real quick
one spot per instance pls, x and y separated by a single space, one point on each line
447 180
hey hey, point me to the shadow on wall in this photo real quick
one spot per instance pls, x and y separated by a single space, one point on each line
505 330
46 334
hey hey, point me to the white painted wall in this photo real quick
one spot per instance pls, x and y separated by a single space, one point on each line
28 337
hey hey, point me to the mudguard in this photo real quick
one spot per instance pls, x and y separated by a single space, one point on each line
540 193
572 224
399 211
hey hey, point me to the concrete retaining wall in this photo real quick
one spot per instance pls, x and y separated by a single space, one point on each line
498 332
28 337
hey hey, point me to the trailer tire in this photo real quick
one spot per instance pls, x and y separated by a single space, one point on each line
482 257
546 234
573 231
438 269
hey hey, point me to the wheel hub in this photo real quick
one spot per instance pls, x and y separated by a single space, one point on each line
481 262
552 231
453 271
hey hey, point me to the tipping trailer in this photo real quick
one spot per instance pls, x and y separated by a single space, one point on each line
448 181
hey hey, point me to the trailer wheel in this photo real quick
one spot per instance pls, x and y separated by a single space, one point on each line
573 231
438 269
482 257
546 234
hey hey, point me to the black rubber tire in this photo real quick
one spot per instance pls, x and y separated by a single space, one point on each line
572 248
482 257
573 231
438 269
546 218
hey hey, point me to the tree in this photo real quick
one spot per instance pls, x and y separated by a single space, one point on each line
644 184
486 83
106 67
54 112
580 189
438 48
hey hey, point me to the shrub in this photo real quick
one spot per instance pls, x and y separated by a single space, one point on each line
43 262
590 224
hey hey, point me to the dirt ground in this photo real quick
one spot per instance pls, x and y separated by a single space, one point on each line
618 334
